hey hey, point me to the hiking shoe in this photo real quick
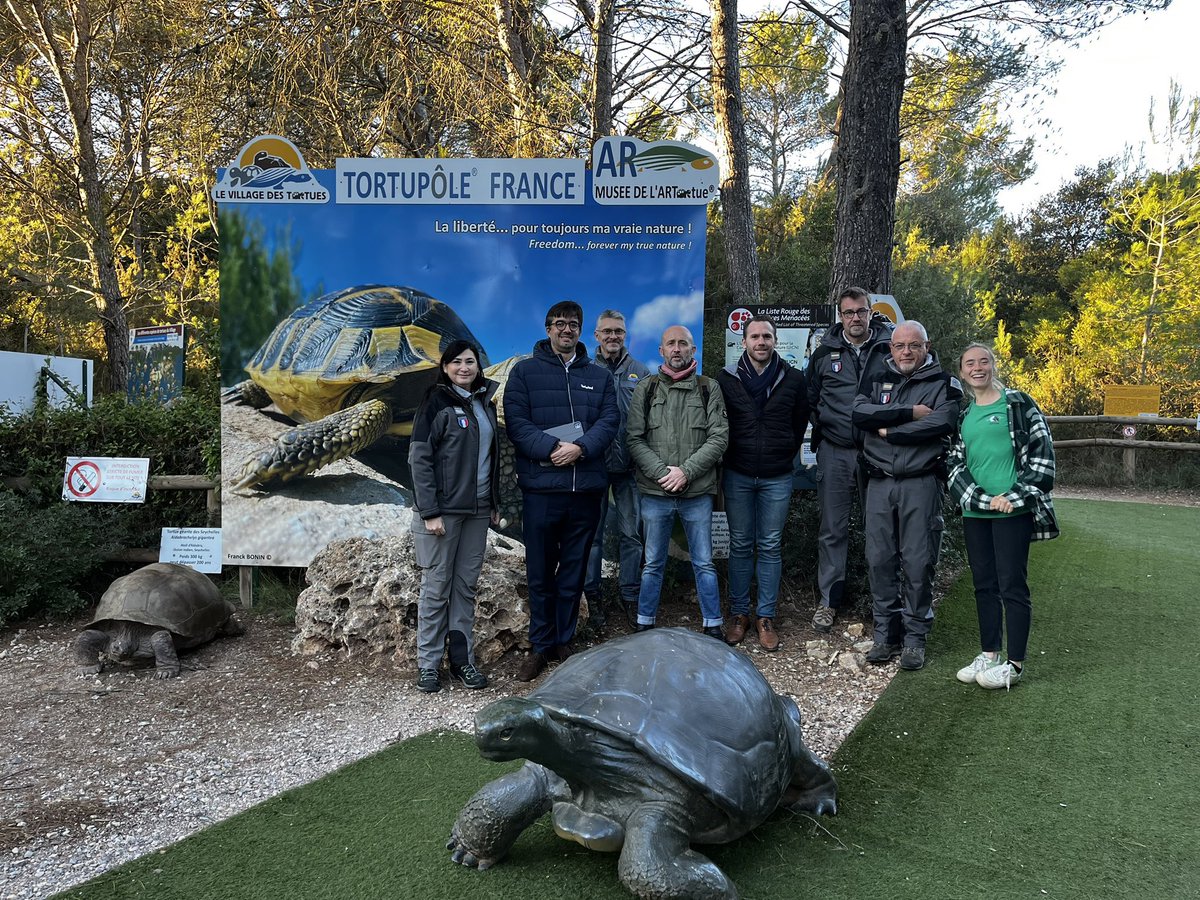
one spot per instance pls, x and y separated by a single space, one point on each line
532 667
823 619
640 627
427 681
912 658
561 653
597 618
715 631
738 626
767 638
469 676
882 653
967 673
1004 675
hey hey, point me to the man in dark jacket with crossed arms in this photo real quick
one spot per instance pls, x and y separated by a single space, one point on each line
561 478
907 415
767 406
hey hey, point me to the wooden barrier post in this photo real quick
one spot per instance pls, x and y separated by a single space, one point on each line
246 585
1129 454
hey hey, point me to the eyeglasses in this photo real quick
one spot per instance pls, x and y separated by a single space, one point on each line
564 325
915 346
855 313
612 332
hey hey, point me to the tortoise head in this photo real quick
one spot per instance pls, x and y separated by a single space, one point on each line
515 728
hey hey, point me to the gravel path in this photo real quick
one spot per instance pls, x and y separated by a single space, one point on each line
100 770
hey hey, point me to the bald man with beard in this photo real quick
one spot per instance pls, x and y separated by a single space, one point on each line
677 434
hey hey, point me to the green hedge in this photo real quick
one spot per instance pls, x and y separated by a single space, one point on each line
52 552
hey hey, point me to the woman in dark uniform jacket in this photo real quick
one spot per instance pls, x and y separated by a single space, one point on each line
453 455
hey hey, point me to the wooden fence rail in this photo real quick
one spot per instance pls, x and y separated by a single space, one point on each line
1129 445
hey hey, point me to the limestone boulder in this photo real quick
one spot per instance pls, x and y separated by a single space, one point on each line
362 601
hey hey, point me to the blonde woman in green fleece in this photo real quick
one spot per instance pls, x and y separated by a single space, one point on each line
1001 474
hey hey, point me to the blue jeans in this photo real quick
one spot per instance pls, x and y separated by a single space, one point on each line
658 518
757 509
629 548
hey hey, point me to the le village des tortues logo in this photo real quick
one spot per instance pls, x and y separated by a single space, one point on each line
269 169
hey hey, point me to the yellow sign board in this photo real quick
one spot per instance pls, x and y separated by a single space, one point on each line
1131 399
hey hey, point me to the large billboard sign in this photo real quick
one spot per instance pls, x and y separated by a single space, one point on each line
497 241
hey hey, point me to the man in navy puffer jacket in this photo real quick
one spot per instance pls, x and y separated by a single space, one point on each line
561 479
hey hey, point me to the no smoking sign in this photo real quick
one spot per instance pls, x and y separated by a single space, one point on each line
83 479
106 479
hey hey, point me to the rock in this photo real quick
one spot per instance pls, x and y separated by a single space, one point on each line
851 662
855 630
362 599
818 644
863 646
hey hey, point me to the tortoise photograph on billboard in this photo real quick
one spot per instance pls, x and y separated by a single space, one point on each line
334 316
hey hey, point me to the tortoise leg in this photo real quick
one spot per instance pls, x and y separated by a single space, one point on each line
494 818
813 788
166 660
248 393
306 448
658 863
88 647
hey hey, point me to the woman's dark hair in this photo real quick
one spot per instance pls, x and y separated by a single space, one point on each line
454 350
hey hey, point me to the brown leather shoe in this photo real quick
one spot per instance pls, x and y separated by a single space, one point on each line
736 630
532 667
767 638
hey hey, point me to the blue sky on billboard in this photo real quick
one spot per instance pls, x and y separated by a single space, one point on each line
500 282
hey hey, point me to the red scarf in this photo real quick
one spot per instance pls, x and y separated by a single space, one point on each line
681 374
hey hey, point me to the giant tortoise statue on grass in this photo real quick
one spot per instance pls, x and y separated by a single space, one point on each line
150 614
645 745
350 367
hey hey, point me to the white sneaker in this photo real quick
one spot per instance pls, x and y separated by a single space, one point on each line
967 673
1004 676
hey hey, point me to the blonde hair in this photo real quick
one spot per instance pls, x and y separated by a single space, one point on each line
997 384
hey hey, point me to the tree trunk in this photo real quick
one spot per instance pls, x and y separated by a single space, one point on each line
867 158
741 252
600 23
69 55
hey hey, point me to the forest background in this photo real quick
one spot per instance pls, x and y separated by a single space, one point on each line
114 117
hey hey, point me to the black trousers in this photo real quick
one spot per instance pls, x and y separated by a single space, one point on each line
558 529
998 551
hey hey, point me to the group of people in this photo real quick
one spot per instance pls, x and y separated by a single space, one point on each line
889 426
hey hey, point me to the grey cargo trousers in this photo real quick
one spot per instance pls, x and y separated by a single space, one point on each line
903 531
450 565
837 483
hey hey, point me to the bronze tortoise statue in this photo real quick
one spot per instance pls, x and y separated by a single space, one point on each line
643 746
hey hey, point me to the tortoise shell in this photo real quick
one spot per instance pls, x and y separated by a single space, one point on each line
354 345
691 704
166 595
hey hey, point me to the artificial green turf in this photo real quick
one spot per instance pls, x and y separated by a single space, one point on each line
1080 782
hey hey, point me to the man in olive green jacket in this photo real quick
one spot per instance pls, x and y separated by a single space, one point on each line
677 434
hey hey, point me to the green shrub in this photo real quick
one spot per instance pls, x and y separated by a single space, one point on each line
53 550
48 555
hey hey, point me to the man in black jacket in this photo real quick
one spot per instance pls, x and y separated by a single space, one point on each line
907 414
767 406
848 357
561 476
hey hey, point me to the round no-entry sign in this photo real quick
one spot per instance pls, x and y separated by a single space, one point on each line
1129 431
84 478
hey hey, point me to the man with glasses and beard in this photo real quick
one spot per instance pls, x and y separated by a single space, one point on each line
561 414
907 414
849 356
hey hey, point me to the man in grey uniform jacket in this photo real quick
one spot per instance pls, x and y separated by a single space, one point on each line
849 356
907 415
627 374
